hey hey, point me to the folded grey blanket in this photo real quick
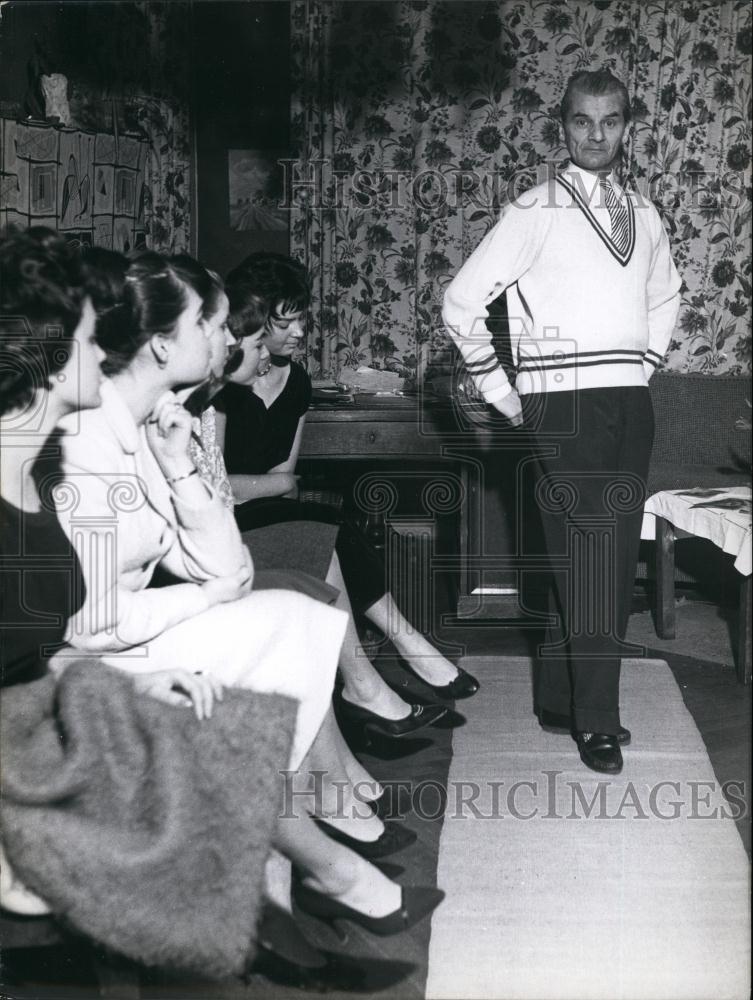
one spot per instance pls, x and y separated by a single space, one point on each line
142 827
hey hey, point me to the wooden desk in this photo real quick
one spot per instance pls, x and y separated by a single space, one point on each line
403 430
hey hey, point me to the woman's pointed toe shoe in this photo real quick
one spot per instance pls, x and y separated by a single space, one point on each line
419 717
463 686
416 903
395 837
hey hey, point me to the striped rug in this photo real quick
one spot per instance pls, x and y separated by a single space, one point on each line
562 883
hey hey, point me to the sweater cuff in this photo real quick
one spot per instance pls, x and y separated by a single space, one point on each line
494 395
651 361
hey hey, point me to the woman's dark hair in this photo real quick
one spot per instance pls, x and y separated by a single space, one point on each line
150 301
595 83
42 295
207 284
104 273
264 285
248 310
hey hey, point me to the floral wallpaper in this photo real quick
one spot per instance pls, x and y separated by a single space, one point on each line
167 204
416 120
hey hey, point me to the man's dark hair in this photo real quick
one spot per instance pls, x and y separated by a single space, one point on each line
595 83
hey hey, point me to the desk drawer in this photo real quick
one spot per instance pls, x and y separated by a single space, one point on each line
361 439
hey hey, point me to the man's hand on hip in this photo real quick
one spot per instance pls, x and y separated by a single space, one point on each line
509 406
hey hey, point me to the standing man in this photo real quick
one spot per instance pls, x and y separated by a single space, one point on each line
592 297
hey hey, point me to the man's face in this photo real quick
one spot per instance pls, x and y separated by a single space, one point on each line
594 129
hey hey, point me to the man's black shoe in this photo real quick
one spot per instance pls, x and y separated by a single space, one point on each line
600 752
553 722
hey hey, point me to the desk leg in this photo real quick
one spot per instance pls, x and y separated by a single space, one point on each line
744 642
468 532
665 579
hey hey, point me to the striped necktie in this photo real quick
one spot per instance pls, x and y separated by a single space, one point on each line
618 216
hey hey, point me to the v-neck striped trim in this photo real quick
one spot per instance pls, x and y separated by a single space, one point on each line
622 258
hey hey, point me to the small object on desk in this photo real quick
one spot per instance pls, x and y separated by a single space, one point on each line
375 380
376 400
331 394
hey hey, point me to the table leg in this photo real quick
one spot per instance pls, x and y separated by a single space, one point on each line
665 579
743 642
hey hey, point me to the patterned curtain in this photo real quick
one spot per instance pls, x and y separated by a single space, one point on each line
167 203
416 121
164 120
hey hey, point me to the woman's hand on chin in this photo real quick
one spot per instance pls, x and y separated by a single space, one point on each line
168 432
180 687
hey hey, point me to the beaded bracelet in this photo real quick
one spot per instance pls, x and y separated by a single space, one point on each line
187 475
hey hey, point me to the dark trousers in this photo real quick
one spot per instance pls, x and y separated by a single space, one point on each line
585 492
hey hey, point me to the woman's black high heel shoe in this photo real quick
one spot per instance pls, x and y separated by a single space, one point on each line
279 935
463 686
284 956
394 838
416 903
420 717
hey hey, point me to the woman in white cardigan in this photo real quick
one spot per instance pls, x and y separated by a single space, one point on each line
132 501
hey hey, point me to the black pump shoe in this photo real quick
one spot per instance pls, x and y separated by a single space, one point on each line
279 935
394 838
553 722
415 903
600 751
343 973
463 686
420 716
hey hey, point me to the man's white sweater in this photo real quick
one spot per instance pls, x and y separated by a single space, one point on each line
583 314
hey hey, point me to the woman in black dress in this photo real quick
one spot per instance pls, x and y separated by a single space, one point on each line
263 411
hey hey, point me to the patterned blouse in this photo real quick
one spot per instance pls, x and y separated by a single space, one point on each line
207 455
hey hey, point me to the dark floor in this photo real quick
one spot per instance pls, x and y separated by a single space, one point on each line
721 709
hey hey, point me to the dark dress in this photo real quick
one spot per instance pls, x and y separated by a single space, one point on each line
258 439
41 587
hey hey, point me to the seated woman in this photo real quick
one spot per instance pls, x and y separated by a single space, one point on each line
364 689
43 378
140 503
264 414
105 274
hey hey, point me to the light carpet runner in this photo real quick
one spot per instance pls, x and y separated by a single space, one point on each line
596 895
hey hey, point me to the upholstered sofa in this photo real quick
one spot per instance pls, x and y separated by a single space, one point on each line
696 442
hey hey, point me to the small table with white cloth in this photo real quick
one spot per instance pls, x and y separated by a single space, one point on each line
723 516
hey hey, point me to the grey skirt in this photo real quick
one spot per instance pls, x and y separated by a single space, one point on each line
300 546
